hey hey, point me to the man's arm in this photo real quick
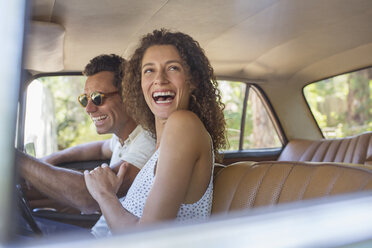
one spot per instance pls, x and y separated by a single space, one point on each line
130 175
97 150
64 185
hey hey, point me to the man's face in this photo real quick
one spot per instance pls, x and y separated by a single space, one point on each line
110 116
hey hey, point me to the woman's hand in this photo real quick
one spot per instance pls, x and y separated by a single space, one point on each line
102 181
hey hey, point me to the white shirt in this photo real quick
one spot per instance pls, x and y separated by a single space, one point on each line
137 149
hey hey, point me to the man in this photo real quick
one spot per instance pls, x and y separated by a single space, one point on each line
130 144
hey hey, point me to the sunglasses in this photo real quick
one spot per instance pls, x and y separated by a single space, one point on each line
96 98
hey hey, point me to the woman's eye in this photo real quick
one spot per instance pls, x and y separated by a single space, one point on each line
147 70
174 68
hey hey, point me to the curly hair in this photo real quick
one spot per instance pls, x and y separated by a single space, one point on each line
205 100
107 62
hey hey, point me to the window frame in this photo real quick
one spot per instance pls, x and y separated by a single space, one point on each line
321 79
256 153
23 99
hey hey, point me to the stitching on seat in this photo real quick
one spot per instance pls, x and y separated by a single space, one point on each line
259 185
282 184
332 185
369 149
364 142
313 148
306 185
347 148
354 150
338 144
328 143
236 189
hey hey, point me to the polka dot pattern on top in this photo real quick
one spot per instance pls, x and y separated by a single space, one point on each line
139 191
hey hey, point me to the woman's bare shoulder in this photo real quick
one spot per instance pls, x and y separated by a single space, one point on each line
184 119
186 127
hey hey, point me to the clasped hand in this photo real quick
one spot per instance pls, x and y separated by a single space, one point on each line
102 181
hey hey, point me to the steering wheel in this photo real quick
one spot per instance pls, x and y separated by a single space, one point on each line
26 212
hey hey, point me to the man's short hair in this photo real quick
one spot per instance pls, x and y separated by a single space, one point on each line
107 62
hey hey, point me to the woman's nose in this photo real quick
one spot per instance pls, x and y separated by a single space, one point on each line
161 78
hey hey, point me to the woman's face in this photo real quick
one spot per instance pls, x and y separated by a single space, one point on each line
164 80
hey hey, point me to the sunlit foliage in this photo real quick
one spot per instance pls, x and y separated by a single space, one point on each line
342 105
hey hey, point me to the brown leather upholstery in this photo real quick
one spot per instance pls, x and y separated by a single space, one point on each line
356 150
246 185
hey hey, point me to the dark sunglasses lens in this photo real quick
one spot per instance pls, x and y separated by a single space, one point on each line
96 98
83 100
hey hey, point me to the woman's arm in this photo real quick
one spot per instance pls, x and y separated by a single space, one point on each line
184 147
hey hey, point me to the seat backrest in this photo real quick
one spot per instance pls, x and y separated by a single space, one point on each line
246 185
356 150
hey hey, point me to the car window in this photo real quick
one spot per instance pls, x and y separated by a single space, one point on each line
56 121
54 118
342 105
248 123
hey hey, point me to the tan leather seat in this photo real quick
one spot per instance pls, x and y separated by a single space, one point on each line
356 150
246 185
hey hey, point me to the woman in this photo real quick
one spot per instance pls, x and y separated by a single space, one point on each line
169 88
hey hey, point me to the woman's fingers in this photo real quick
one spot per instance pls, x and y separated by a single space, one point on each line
98 168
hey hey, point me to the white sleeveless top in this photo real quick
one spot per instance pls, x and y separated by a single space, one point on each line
137 195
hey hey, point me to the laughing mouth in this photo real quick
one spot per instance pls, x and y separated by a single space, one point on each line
163 96
98 118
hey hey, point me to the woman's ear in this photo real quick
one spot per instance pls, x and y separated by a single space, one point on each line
192 87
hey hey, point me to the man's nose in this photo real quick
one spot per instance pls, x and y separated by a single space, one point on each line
91 107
